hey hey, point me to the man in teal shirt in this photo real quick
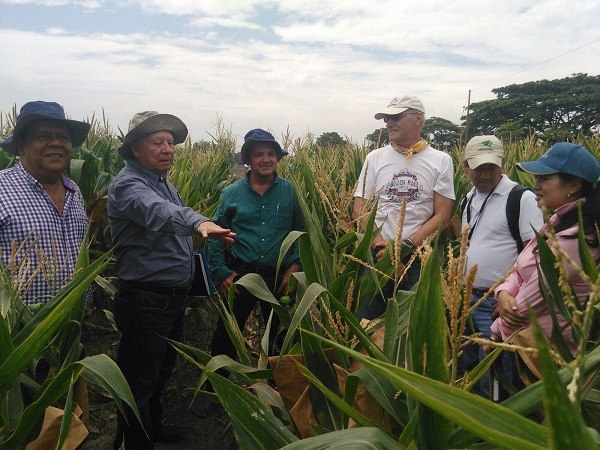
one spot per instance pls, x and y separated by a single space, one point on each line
262 209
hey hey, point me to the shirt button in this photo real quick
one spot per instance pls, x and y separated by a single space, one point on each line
263 206
263 223
263 240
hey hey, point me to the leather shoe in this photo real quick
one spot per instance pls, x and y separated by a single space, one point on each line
168 433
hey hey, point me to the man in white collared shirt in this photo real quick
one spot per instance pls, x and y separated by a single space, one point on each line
492 246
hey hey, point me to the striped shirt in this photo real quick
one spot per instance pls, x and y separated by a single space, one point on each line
46 241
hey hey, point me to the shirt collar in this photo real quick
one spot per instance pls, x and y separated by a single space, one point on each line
247 178
150 175
566 208
68 183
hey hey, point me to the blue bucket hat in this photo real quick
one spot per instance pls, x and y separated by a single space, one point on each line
260 136
568 158
32 111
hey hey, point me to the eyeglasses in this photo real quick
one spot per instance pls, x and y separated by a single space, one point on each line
397 117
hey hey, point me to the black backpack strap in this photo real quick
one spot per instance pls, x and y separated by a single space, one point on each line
463 204
513 211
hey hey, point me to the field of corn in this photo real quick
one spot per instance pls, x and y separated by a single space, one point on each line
395 384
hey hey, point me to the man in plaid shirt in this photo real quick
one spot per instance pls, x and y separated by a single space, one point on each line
42 212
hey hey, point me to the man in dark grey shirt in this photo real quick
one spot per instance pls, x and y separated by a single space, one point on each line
152 230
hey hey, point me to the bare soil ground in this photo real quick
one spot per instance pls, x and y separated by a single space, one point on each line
211 432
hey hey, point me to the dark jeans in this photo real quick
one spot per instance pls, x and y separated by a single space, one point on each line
146 318
375 307
473 353
243 304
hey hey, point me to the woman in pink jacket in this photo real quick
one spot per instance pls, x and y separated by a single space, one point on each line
565 176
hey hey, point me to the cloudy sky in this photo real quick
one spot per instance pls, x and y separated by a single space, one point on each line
306 65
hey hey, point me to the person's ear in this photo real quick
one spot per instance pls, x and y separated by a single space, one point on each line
575 186
20 146
135 151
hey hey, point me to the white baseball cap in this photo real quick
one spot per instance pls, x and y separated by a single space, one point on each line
399 105
484 150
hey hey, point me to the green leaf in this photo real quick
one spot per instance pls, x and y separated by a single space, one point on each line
588 264
311 294
38 332
352 439
335 399
491 422
327 414
270 396
233 331
530 399
550 289
285 246
103 372
429 349
384 392
255 427
48 394
65 424
566 427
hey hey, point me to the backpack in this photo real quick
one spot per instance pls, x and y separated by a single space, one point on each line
513 211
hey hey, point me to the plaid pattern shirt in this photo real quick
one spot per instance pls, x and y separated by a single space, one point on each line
38 244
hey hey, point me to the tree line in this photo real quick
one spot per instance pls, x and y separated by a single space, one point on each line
551 110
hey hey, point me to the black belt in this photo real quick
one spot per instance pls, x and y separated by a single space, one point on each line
482 292
155 288
260 270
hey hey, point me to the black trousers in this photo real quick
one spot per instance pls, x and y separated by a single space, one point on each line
146 315
243 304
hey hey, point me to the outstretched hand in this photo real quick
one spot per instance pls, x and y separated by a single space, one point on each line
212 230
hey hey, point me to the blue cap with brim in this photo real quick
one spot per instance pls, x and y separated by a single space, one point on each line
565 157
39 110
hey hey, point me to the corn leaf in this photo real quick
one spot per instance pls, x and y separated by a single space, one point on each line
428 349
255 427
530 399
567 429
352 439
491 422
38 332
346 408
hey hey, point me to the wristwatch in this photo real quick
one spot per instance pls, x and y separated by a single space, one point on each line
410 244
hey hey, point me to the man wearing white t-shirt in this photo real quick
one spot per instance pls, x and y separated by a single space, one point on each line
492 246
406 169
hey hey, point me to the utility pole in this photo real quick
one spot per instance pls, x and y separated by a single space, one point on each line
467 117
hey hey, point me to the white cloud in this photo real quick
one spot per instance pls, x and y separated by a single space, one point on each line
326 65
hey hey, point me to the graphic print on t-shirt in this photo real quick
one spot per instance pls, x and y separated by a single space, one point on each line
404 184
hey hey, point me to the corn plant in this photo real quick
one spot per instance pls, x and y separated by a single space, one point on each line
413 374
431 412
51 331
200 175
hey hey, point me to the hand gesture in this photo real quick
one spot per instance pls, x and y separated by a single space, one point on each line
211 230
